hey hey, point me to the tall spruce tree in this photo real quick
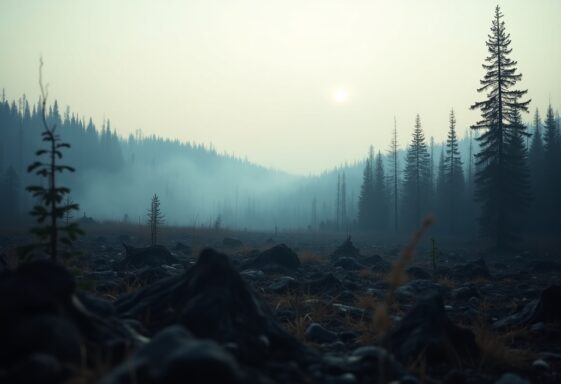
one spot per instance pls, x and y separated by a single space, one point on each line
379 195
517 177
365 199
536 163
441 193
552 184
343 224
394 176
499 112
338 203
454 183
416 178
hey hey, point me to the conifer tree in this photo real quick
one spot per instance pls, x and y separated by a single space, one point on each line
417 177
155 219
499 112
517 177
50 206
338 203
365 199
394 175
379 195
343 202
454 183
550 135
552 184
441 193
536 163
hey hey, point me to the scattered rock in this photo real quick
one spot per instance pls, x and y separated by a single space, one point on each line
373 364
180 247
472 270
357 313
318 334
348 264
426 329
327 285
174 356
96 305
466 292
376 262
538 327
418 273
253 274
418 288
40 314
279 255
152 256
545 309
213 301
346 249
283 285
540 365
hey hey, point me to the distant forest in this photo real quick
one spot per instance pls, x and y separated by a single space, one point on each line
198 186
502 179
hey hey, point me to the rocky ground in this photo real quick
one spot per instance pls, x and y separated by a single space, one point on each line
260 308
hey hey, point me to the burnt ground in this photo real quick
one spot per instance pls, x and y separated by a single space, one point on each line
284 307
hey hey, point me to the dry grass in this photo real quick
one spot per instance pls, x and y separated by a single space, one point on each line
447 281
308 309
133 285
310 257
496 351
398 276
298 326
367 302
373 330
305 305
495 348
370 330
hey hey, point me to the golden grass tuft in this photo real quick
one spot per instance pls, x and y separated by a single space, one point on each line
373 330
447 281
398 276
496 353
310 257
368 302
298 327
308 309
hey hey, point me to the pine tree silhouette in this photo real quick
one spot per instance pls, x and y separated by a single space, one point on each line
499 112
416 177
155 219
50 207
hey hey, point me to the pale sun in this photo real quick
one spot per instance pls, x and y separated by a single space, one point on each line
341 95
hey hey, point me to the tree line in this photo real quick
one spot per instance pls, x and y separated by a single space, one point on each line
513 186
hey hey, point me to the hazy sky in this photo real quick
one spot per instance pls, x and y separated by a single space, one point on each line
300 85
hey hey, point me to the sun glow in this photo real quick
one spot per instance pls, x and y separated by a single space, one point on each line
341 95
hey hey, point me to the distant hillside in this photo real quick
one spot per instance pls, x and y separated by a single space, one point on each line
116 177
